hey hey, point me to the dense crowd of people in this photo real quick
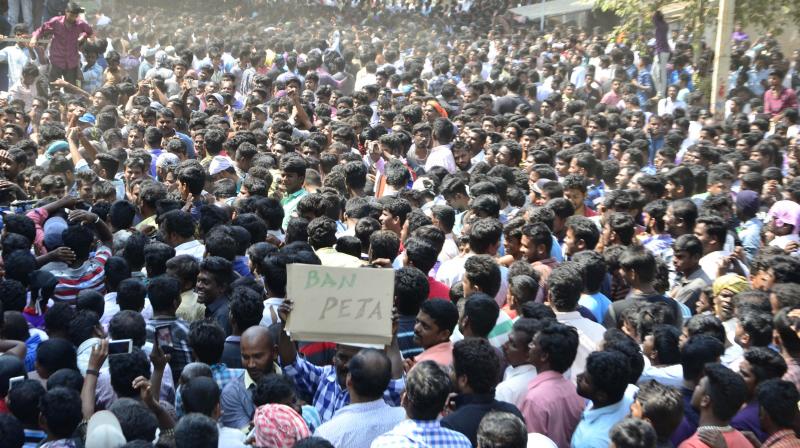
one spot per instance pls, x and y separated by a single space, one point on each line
583 255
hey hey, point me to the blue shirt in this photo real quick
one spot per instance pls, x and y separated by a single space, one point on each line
592 431
597 303
750 235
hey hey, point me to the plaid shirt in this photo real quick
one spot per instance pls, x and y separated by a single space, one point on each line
181 354
427 433
329 397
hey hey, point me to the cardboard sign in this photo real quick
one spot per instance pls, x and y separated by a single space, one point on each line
344 305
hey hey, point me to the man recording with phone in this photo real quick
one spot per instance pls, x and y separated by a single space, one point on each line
165 296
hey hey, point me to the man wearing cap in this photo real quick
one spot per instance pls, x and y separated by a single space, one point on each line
67 33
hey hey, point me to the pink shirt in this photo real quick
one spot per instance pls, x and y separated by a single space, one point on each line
734 439
553 407
441 354
773 105
64 43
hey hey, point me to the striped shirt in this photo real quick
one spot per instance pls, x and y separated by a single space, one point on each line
90 275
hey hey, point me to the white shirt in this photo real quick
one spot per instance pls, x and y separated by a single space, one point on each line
710 262
589 336
515 384
230 438
666 375
449 249
16 58
270 315
668 106
194 248
358 424
441 156
451 272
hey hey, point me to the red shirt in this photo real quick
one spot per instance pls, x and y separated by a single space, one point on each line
774 105
438 290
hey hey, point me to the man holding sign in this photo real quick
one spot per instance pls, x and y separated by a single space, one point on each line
327 384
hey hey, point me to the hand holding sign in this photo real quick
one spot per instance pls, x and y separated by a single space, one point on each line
345 305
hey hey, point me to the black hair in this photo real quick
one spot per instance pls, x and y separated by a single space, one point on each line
765 363
69 378
593 268
560 342
246 307
23 401
128 324
662 405
609 371
411 288
633 433
207 340
584 229
477 359
443 313
726 389
778 400
697 352
164 293
484 233
200 394
666 341
758 325
482 311
707 324
178 222
156 255
137 421
421 253
55 354
484 272
126 367
274 388
61 409
642 261
381 243
565 285
131 294
57 318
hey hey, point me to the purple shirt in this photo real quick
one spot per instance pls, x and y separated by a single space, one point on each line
64 43
662 29
747 420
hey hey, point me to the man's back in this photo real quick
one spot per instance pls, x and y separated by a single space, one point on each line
357 425
470 409
421 433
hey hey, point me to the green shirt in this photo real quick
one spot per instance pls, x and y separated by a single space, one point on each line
289 204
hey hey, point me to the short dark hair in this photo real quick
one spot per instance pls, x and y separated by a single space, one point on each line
483 272
200 394
726 389
765 363
126 367
55 354
23 401
697 352
178 222
560 342
635 258
482 311
502 429
164 292
633 433
565 285
778 399
584 229
477 359
137 422
483 233
662 405
593 268
382 243
220 268
411 288
207 340
443 313
61 409
421 253
610 372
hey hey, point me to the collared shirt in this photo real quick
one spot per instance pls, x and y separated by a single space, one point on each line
64 44
552 406
784 438
657 244
194 248
592 431
236 401
16 58
179 329
441 353
515 384
289 204
687 290
358 424
668 106
218 310
419 433
773 105
328 395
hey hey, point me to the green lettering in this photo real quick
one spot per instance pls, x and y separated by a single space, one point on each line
350 283
328 281
312 279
